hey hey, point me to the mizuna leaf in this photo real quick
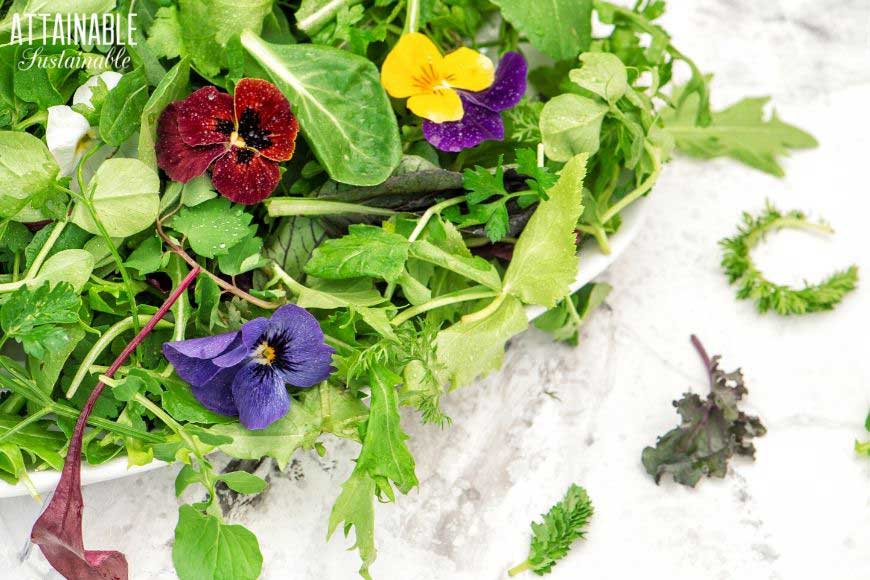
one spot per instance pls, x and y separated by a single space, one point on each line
544 262
343 111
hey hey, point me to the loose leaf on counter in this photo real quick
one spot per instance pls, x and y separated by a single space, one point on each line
560 28
356 144
740 131
712 430
206 547
544 262
126 196
364 251
571 124
560 527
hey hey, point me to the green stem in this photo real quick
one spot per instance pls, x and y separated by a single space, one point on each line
520 568
440 302
787 223
181 306
317 19
38 117
102 343
174 425
294 206
412 17
641 189
599 234
56 231
24 423
486 310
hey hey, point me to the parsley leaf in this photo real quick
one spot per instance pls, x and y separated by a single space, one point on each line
539 179
31 316
561 526
712 430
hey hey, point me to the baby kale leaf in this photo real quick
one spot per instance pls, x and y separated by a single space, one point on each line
741 270
740 132
712 430
32 317
561 526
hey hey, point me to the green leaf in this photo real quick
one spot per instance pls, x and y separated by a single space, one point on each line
483 184
740 132
355 507
46 369
560 28
122 109
205 547
186 477
384 452
544 262
172 87
213 227
541 179
291 245
474 268
565 319
71 266
571 124
364 251
468 350
560 527
147 257
603 74
197 190
356 145
126 196
178 401
243 482
32 317
325 409
36 438
243 257
27 169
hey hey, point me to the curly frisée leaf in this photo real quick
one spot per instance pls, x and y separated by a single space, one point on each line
356 144
544 262
712 430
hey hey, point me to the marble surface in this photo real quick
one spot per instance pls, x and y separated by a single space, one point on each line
556 415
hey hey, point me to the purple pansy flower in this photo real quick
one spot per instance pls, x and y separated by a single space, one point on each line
481 120
243 373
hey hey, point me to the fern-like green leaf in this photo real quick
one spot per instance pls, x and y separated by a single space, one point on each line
552 538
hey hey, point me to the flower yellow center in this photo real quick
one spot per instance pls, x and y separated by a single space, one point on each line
236 140
264 354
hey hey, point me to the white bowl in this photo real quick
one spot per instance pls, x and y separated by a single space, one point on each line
592 263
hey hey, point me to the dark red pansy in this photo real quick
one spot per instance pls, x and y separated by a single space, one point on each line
241 138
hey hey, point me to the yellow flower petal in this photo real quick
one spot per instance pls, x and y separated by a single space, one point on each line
439 107
467 69
411 67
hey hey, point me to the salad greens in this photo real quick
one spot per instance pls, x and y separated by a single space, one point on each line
740 270
407 232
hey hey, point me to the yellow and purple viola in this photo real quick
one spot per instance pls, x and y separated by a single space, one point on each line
460 96
244 373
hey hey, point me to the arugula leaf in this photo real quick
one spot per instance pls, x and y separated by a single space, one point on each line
243 482
560 28
31 317
213 227
712 430
364 251
356 145
544 262
355 507
564 524
563 321
740 132
205 547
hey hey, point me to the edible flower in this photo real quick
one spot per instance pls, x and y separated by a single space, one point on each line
241 138
68 132
458 95
243 373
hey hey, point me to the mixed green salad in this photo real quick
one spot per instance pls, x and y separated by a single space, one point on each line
308 214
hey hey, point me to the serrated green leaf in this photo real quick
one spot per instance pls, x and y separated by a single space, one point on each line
213 227
364 251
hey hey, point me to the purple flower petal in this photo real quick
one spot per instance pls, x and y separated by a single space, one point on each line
192 358
216 394
260 395
251 331
306 360
508 87
477 125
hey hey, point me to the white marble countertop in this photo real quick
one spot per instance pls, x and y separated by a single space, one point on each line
556 415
